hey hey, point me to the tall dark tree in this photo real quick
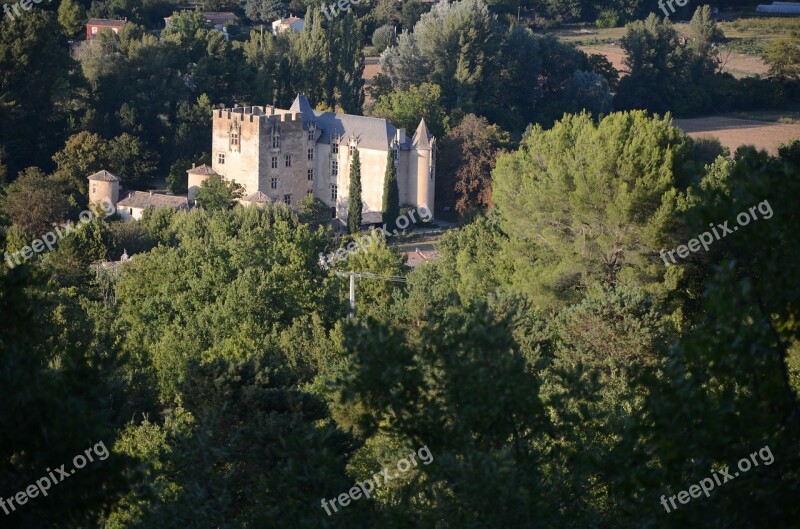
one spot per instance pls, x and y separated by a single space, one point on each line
35 87
468 155
354 201
391 192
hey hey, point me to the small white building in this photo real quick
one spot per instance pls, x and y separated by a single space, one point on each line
285 24
135 204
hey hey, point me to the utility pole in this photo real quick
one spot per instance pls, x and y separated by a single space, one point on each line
365 275
352 294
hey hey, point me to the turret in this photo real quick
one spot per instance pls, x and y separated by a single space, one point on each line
198 175
103 188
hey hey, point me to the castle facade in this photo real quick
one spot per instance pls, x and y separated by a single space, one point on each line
288 154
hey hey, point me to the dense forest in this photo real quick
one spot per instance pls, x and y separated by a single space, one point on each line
565 363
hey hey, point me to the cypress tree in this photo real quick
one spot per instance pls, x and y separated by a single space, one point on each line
391 193
354 202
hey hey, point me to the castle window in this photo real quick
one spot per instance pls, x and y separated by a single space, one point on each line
311 154
352 149
273 183
94 30
234 132
310 175
395 154
311 131
335 143
274 162
334 192
334 168
94 187
431 171
287 199
309 192
220 158
276 138
288 160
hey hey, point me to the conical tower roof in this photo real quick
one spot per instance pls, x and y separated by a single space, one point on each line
422 137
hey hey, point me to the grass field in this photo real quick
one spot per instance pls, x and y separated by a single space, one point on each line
745 41
733 131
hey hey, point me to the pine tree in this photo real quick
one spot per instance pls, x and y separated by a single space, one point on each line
71 16
391 193
354 202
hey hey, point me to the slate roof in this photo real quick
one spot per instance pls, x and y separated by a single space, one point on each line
203 169
104 176
422 137
146 199
373 133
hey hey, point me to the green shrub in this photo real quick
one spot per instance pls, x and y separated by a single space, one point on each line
608 18
383 37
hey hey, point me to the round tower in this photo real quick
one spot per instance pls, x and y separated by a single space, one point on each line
198 175
103 188
423 168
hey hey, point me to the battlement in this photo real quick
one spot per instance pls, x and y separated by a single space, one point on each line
256 114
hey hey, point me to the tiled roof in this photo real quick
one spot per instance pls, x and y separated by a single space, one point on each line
417 258
104 176
219 17
258 197
147 199
203 169
106 22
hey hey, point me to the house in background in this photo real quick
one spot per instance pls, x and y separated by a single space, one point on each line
285 24
96 25
218 20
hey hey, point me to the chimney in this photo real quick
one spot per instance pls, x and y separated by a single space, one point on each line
151 193
401 136
193 164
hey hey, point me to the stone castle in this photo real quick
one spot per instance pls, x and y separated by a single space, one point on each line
283 155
